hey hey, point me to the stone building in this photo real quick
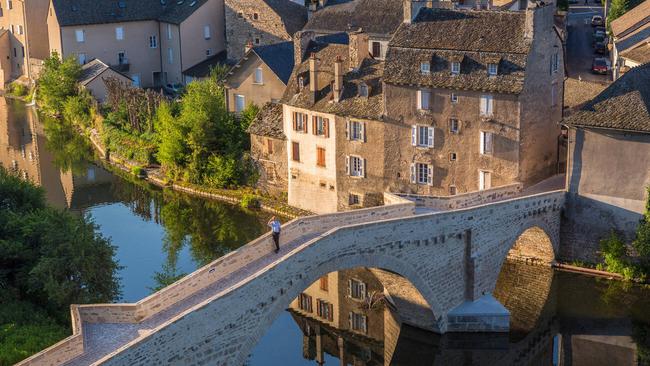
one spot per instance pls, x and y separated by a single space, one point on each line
465 101
260 77
609 156
28 39
631 39
154 42
260 22
269 149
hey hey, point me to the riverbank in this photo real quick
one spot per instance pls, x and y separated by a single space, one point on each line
155 176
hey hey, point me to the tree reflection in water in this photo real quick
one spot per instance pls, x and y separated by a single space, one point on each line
70 150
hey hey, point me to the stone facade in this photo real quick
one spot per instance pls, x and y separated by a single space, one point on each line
260 23
272 164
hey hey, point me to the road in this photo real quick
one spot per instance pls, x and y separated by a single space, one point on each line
579 43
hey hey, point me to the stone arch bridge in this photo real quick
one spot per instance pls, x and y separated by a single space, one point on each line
216 315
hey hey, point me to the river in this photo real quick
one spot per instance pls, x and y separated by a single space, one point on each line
557 318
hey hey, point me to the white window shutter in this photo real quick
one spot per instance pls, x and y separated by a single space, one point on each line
430 175
363 168
363 290
481 180
482 143
413 176
419 101
430 135
350 288
347 130
489 105
488 142
414 135
365 324
347 165
350 319
363 131
483 105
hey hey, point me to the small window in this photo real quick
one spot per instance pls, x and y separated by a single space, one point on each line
486 105
454 126
484 180
320 126
358 322
355 166
257 41
153 42
258 76
301 82
206 32
304 302
424 97
269 146
170 55
81 58
240 15
376 49
353 199
486 143
320 157
295 151
555 62
20 29
119 33
299 122
79 35
363 90
422 173
425 68
455 68
208 52
169 31
240 103
453 156
325 309
10 4
324 283
356 289
452 190
553 94
256 16
422 136
454 98
357 131
492 69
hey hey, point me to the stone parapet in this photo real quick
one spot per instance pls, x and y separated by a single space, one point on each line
442 203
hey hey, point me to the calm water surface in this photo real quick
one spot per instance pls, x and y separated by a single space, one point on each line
557 318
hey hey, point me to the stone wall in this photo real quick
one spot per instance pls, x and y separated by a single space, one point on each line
271 167
443 203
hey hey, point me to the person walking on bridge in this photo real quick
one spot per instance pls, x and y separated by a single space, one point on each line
275 226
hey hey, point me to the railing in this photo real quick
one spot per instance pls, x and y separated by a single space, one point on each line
441 203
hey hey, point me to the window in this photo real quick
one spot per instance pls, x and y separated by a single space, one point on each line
422 136
121 58
454 98
256 16
454 126
240 15
376 49
486 143
455 68
258 78
356 131
79 35
10 4
355 166
422 173
486 106
300 122
22 50
554 94
325 310
81 57
170 55
358 322
353 199
484 180
304 302
240 103
12 28
492 69
119 33
257 41
320 126
269 146
169 31
555 62
206 32
295 151
452 190
2 13
424 96
208 52
20 29
425 67
136 80
453 156
356 289
324 283
153 42
363 90
320 157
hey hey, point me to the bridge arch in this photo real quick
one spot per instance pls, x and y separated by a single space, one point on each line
354 260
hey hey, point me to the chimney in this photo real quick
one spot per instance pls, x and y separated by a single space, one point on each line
249 46
338 79
313 78
311 9
539 18
322 3
358 47
412 8
300 44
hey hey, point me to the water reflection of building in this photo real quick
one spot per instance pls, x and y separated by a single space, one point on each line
23 151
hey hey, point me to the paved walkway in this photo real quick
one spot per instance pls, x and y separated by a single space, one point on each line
104 338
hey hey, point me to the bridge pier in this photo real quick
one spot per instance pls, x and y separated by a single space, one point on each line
485 314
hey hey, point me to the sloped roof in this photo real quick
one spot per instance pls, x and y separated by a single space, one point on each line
639 54
631 20
92 70
373 16
350 104
624 105
82 12
278 57
268 122
294 16
203 68
473 38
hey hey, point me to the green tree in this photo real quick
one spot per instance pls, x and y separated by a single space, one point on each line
76 110
616 9
642 240
172 146
57 82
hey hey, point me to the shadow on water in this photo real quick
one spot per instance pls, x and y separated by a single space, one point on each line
160 235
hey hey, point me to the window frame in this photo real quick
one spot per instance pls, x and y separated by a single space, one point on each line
356 134
425 68
483 183
295 151
258 76
80 35
454 126
357 289
455 67
421 97
119 33
300 122
321 158
420 179
416 136
453 98
486 143
207 32
240 97
153 42
358 322
355 166
305 303
493 69
488 101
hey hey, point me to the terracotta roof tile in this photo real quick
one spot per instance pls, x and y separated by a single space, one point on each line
380 17
268 122
631 20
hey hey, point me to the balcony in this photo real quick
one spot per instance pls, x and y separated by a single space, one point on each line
122 66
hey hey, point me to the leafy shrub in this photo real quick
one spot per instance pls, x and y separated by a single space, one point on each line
250 201
57 82
137 170
18 89
129 146
76 110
